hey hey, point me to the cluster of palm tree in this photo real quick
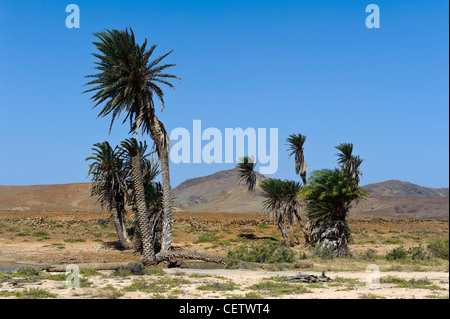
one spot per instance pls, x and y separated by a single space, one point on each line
112 183
281 197
329 195
127 83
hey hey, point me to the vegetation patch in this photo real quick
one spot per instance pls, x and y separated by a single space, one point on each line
421 283
263 253
272 288
132 268
74 240
439 248
33 293
218 286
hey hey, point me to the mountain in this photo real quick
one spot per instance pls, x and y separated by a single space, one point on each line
219 192
48 198
222 192
396 188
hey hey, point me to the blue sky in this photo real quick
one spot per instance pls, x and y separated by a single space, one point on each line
310 67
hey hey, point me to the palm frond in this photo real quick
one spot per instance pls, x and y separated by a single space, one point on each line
246 172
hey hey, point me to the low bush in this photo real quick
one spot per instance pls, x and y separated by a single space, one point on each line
439 248
132 268
412 254
263 253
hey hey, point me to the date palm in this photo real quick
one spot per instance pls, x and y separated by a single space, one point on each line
348 162
291 206
295 143
128 81
246 172
329 196
133 153
109 184
273 192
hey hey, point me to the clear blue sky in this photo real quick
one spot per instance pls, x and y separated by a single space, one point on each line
309 67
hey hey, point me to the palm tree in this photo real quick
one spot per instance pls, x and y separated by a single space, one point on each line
295 143
128 81
349 162
329 196
109 185
134 151
291 206
273 192
246 172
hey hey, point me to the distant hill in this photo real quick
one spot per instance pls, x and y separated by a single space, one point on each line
48 198
396 188
222 192
219 192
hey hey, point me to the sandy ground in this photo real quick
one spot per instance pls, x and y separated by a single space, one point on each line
371 233
345 285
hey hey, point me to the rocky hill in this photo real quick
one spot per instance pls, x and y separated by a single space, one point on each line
222 192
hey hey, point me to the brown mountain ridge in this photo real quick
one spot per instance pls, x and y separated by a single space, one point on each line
222 192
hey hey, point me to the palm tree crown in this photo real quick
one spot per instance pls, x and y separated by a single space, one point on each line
295 143
128 79
246 172
107 175
349 162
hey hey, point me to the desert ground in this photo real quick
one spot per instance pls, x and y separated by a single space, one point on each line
42 239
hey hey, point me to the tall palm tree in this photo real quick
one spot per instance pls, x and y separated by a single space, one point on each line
273 192
109 184
295 143
246 172
134 151
291 206
348 162
128 81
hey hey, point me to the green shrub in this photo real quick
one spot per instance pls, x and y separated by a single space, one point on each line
418 253
439 248
218 286
263 253
398 253
207 238
412 254
132 268
279 288
155 271
370 255
40 234
34 293
27 271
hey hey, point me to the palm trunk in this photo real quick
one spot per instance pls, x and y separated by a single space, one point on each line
121 229
291 229
282 227
161 141
142 212
303 228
